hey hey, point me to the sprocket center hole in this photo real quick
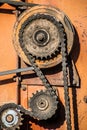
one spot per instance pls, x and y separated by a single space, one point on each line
41 37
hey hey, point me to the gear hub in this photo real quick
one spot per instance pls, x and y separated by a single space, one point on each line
41 37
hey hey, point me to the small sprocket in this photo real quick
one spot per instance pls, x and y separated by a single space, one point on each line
10 117
43 104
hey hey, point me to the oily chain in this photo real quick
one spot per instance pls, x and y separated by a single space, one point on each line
64 69
65 80
17 4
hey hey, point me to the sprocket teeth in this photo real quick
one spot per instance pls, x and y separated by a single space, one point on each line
36 91
42 58
50 56
21 123
57 50
18 128
22 119
42 91
33 94
21 114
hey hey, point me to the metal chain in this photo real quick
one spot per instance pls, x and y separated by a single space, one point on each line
39 72
64 64
66 89
16 3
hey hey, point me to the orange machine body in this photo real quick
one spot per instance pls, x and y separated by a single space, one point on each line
9 92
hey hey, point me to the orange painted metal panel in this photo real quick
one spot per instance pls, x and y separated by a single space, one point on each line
8 57
77 12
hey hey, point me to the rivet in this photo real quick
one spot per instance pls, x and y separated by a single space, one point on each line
23 87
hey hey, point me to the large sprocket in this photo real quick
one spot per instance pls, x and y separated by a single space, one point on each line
41 36
43 104
38 30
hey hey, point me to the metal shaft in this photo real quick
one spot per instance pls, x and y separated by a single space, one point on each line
16 71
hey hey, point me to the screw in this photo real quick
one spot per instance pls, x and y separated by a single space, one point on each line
23 87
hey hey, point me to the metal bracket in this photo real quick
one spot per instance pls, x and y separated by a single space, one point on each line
54 76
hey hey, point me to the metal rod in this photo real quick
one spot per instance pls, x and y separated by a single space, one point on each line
16 3
16 71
